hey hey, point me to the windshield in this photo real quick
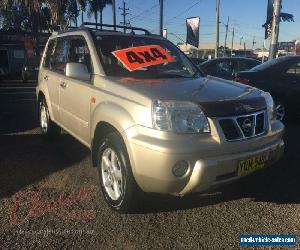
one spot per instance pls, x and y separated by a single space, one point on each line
179 67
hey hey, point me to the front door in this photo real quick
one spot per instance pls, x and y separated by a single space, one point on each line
75 95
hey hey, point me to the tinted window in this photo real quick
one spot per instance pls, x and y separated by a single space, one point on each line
209 68
246 65
79 52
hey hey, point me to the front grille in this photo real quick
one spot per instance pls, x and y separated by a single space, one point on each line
244 126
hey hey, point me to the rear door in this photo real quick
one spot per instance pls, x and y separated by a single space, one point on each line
75 95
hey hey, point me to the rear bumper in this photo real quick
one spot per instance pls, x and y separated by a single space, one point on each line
211 161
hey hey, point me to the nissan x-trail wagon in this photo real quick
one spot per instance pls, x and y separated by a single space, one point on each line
152 120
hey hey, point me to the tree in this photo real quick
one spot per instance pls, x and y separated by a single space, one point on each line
82 5
62 13
103 4
95 6
13 17
93 10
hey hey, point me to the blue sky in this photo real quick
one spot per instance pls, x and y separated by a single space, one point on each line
246 16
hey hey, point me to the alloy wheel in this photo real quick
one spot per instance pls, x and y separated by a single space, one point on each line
112 176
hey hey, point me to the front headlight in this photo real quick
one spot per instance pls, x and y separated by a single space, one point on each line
270 105
179 117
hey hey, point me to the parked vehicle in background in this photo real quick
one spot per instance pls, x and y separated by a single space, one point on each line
17 54
227 67
280 77
3 64
30 69
152 120
198 61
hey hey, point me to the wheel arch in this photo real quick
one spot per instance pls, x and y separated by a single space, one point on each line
44 95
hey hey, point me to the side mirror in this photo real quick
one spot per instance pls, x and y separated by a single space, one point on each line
78 71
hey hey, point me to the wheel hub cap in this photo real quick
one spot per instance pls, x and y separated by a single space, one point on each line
44 119
112 177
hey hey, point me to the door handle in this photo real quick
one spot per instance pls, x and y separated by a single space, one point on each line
63 85
46 78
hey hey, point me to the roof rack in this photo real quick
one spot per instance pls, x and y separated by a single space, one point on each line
115 27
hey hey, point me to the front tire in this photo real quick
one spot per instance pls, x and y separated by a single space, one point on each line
49 129
117 183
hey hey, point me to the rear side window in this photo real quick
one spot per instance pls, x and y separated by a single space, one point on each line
246 65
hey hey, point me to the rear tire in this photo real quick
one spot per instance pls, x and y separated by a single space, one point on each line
117 183
49 129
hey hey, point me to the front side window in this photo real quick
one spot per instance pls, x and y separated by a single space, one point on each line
79 53
59 60
180 67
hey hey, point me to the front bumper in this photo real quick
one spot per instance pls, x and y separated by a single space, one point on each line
211 159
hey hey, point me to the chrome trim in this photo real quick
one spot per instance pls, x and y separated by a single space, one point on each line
239 129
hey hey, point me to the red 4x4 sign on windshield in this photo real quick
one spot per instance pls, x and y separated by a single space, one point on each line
143 56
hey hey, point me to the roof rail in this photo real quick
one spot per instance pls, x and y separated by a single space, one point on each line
115 26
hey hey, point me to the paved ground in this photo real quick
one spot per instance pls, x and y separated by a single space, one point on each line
49 196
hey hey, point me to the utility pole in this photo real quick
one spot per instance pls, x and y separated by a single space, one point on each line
245 49
161 9
232 39
225 43
241 38
217 27
253 42
124 14
275 29
114 13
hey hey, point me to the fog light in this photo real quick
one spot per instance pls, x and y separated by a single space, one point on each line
180 168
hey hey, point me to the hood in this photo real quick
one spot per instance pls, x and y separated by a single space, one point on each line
217 97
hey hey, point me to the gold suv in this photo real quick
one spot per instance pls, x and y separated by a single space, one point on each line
152 120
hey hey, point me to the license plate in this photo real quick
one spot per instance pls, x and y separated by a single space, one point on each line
252 164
